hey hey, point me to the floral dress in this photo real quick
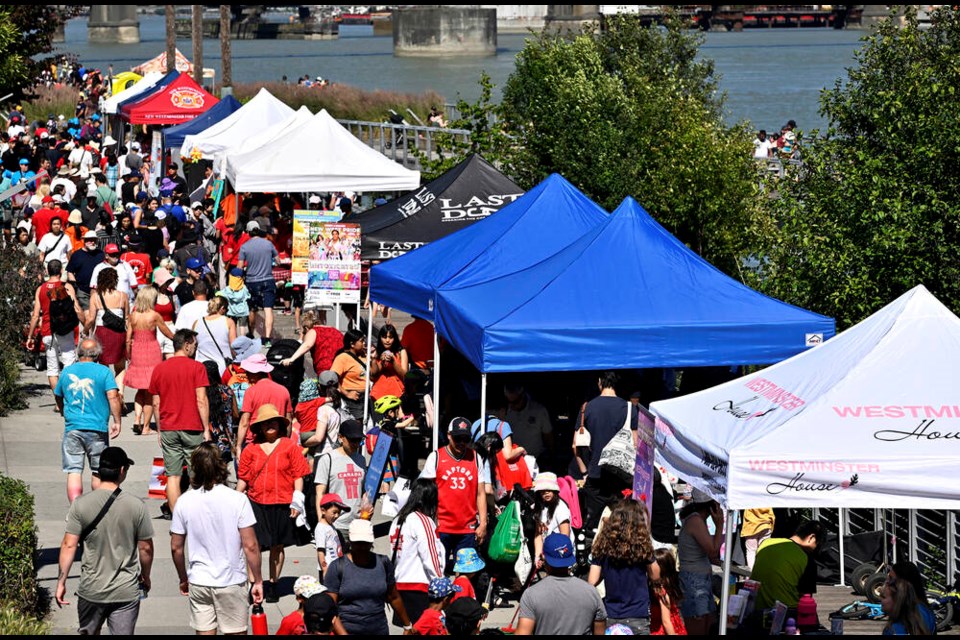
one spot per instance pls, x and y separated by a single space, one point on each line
221 425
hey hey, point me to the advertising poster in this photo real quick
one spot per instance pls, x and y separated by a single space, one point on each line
326 258
643 472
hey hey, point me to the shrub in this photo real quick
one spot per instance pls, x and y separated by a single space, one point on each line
14 623
18 553
19 278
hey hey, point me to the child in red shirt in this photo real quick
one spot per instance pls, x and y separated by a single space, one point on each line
440 592
303 588
468 564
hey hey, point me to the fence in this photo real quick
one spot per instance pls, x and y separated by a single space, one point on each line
401 142
926 537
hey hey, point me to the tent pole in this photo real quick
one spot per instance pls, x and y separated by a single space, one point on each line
366 383
436 390
336 314
483 402
727 561
843 580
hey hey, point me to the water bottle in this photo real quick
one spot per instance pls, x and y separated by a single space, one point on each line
807 619
258 621
790 628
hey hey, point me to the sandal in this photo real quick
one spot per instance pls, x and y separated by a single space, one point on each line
138 429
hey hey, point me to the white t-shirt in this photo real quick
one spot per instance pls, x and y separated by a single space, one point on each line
211 521
126 278
53 247
326 539
761 148
560 515
190 313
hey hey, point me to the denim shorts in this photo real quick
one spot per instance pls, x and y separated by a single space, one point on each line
697 594
78 445
262 294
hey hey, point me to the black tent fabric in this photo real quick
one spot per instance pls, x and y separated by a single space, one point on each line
469 192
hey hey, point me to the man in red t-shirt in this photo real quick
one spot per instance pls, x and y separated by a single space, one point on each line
417 339
48 211
179 387
262 390
137 259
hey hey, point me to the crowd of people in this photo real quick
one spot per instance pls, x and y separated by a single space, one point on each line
146 288
782 144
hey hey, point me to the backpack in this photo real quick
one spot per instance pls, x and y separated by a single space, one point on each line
63 315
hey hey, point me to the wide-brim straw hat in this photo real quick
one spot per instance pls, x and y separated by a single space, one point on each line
266 413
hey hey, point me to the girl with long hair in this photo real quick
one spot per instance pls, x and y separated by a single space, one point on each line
902 606
224 413
107 299
215 333
352 367
393 364
698 551
415 548
553 513
666 595
145 354
623 558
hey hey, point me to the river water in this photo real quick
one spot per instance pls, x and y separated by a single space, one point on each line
769 75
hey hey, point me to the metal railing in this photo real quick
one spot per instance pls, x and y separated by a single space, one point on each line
401 142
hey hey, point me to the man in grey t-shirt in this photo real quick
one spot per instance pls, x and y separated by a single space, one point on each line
561 604
341 471
256 259
117 556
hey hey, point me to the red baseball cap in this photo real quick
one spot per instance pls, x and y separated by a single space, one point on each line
47 199
111 248
333 499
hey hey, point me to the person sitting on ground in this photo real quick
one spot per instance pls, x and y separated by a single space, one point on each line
905 616
783 566
561 604
431 622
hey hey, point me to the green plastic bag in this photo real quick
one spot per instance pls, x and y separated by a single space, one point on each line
508 536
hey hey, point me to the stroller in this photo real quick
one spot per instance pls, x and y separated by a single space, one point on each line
399 138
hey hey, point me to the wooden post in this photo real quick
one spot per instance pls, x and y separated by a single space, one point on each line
197 33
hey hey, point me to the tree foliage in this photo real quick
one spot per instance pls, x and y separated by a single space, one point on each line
632 110
876 209
26 43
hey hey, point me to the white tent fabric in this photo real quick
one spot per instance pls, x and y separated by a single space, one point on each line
111 104
260 112
226 161
870 418
321 156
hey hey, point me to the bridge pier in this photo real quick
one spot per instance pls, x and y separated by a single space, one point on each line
571 18
113 24
443 30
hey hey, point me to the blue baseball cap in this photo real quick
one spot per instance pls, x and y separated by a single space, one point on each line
558 551
195 263
440 588
24 161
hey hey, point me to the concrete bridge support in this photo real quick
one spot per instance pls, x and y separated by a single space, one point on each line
442 30
113 24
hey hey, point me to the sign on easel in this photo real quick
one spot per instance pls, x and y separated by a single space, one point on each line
378 466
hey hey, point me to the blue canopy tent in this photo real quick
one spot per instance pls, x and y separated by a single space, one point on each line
533 227
174 136
628 294
536 225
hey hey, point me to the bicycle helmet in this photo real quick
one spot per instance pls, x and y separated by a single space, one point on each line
385 403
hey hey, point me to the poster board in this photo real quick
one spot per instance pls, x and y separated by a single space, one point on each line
643 471
326 258
378 464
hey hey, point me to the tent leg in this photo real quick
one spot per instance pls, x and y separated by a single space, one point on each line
727 561
366 383
843 577
436 391
483 402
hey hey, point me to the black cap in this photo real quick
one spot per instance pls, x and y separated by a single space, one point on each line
351 429
459 427
114 458
318 613
464 614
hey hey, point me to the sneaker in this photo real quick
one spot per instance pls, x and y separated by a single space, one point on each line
266 342
165 512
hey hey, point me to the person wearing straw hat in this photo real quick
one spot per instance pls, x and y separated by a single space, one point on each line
262 391
271 472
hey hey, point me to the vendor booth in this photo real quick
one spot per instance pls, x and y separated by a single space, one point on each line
180 100
867 419
263 110
246 149
112 104
467 193
174 136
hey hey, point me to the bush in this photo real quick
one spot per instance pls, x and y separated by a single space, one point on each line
18 553
14 623
342 101
19 278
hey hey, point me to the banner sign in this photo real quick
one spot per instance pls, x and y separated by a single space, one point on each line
643 471
326 257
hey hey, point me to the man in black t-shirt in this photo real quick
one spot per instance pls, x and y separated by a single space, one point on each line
603 417
81 265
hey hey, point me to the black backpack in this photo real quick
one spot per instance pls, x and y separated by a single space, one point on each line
289 377
63 315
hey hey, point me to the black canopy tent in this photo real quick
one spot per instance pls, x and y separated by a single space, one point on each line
469 192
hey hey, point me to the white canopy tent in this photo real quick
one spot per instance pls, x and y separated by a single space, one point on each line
112 104
320 156
226 161
870 419
263 110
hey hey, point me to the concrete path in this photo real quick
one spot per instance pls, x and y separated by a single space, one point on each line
30 451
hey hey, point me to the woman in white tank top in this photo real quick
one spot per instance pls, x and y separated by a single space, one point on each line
215 333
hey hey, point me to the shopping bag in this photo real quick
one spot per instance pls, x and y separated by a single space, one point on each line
619 456
508 536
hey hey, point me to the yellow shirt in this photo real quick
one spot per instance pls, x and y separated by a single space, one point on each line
756 521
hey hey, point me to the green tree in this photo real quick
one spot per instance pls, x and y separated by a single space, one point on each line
876 209
26 43
632 110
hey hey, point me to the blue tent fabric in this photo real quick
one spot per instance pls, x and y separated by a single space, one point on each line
627 295
175 135
535 226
